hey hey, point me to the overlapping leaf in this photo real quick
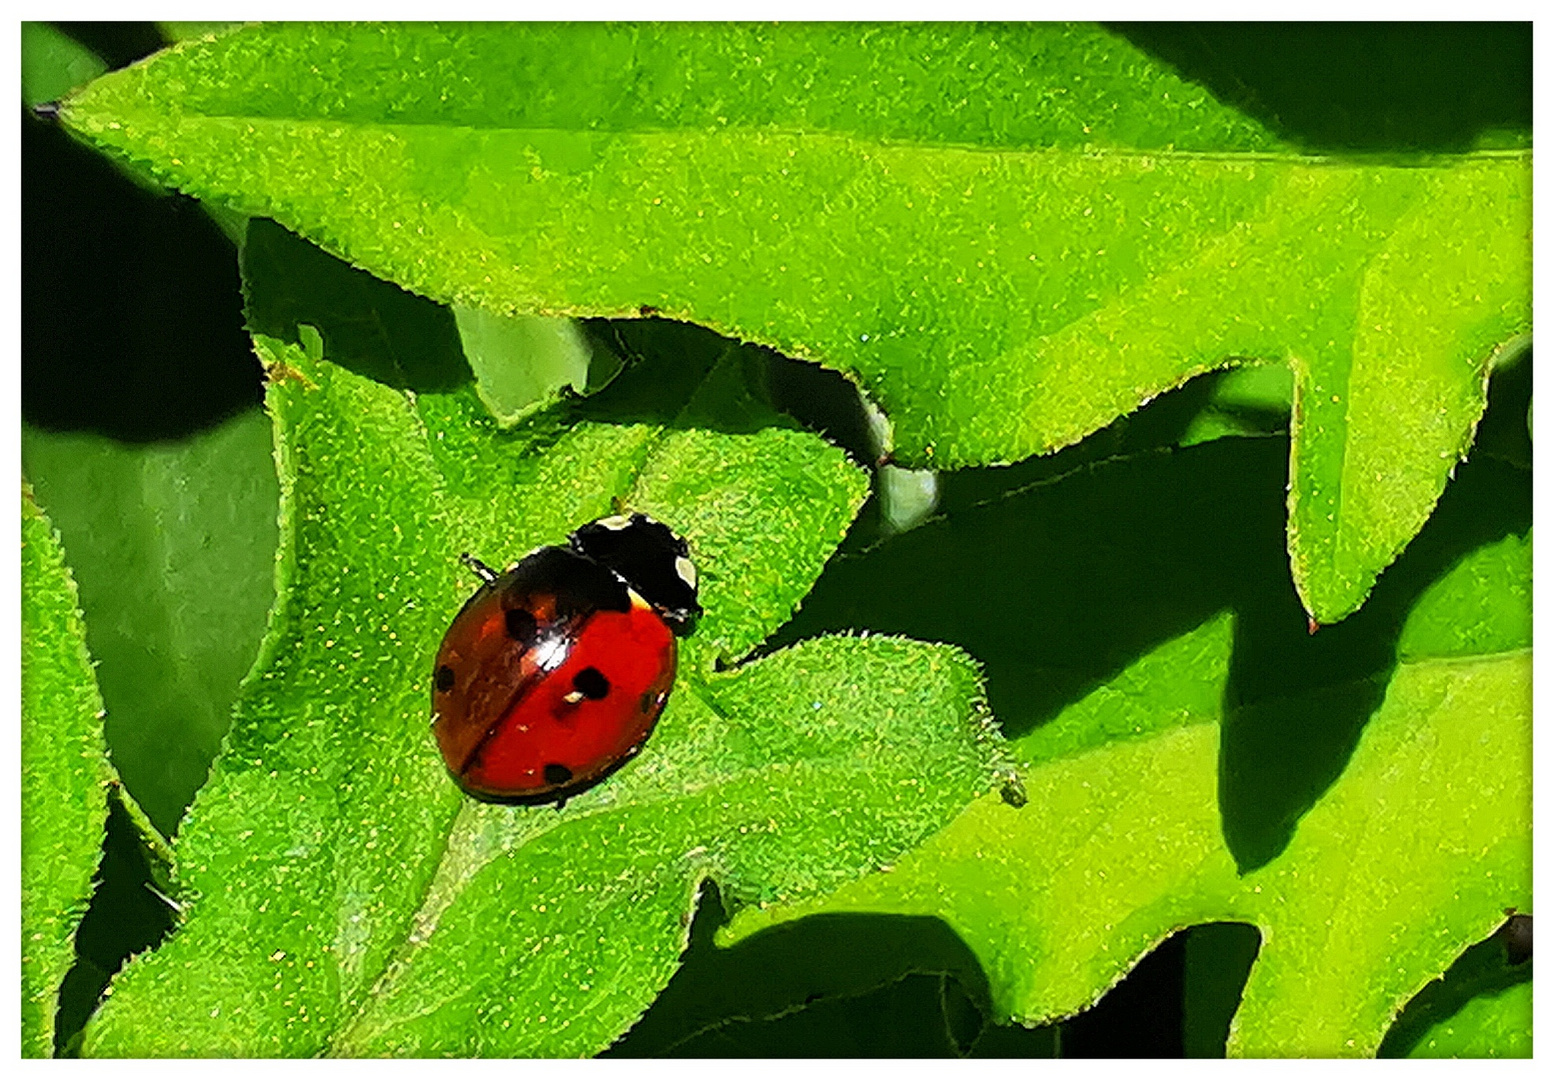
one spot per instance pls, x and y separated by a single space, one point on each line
173 545
1497 1025
1008 235
559 169
65 775
53 63
1480 1007
1411 852
345 898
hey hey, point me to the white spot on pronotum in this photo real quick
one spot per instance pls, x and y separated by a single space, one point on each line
616 523
686 569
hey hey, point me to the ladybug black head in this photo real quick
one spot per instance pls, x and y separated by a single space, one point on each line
649 557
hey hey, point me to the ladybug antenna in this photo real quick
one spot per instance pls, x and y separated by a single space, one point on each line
482 571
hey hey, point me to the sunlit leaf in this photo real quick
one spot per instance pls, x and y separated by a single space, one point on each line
1009 235
65 775
1124 836
343 897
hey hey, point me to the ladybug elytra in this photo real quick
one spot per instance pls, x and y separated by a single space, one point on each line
553 674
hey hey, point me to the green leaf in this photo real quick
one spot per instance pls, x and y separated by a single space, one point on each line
523 363
183 31
1492 1026
1447 758
174 546
54 63
1058 577
843 959
65 776
904 1019
342 897
598 923
1481 1006
130 912
1251 400
1077 231
1409 852
361 322
1483 606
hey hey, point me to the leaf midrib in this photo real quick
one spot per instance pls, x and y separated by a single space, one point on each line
437 901
922 142
1462 659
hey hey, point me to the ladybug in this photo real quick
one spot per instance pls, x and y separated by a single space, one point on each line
553 674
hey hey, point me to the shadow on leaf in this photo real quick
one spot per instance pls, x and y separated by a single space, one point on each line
1058 585
370 326
1359 86
716 1003
125 916
1497 963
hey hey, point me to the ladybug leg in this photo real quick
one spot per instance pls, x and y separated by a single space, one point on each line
482 571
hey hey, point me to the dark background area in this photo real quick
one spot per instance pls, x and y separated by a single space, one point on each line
133 328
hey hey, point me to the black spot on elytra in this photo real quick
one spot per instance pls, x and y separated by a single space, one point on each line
591 683
444 678
557 774
520 625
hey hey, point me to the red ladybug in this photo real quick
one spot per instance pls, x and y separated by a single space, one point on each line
553 674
